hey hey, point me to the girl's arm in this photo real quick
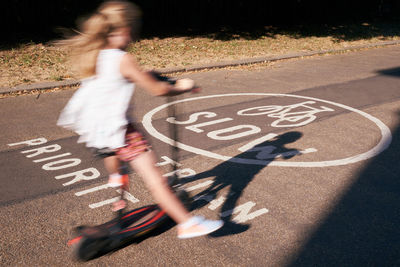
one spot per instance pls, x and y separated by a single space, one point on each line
131 71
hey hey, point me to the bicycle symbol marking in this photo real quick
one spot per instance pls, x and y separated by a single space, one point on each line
285 116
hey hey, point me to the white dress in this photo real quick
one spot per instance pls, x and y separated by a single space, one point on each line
98 109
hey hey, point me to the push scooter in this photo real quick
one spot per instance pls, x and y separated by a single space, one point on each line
92 241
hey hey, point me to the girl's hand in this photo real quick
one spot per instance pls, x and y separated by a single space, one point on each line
186 85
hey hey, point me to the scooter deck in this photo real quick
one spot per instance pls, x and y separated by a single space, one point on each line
132 223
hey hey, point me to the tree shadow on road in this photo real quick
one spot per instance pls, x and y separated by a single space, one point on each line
363 229
395 72
236 177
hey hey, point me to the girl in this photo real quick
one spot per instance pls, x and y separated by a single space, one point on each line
98 110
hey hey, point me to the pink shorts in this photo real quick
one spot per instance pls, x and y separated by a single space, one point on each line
136 144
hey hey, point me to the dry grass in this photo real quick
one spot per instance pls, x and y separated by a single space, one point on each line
31 63
175 52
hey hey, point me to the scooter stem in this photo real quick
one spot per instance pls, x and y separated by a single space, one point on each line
173 131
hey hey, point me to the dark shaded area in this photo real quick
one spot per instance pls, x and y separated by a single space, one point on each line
391 72
363 228
27 20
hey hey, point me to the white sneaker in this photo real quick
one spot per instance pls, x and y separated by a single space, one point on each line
198 226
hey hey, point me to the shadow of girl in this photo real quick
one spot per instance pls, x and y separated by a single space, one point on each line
237 176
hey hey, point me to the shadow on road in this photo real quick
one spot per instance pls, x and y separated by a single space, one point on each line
391 72
236 177
363 229
227 174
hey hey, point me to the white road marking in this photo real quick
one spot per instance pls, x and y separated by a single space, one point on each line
244 212
384 142
200 185
91 190
53 157
104 202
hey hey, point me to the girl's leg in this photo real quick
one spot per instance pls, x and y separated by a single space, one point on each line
111 164
144 165
188 226
115 179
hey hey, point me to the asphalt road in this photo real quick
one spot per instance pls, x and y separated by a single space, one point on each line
300 159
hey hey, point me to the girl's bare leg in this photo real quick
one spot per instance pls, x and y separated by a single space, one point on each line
144 165
111 164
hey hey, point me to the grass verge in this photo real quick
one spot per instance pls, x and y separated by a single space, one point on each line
29 63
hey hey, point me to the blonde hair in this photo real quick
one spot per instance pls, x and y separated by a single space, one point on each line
93 34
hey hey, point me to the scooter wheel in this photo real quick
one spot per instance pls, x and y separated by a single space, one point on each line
89 248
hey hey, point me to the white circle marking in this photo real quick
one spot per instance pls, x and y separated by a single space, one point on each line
383 143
